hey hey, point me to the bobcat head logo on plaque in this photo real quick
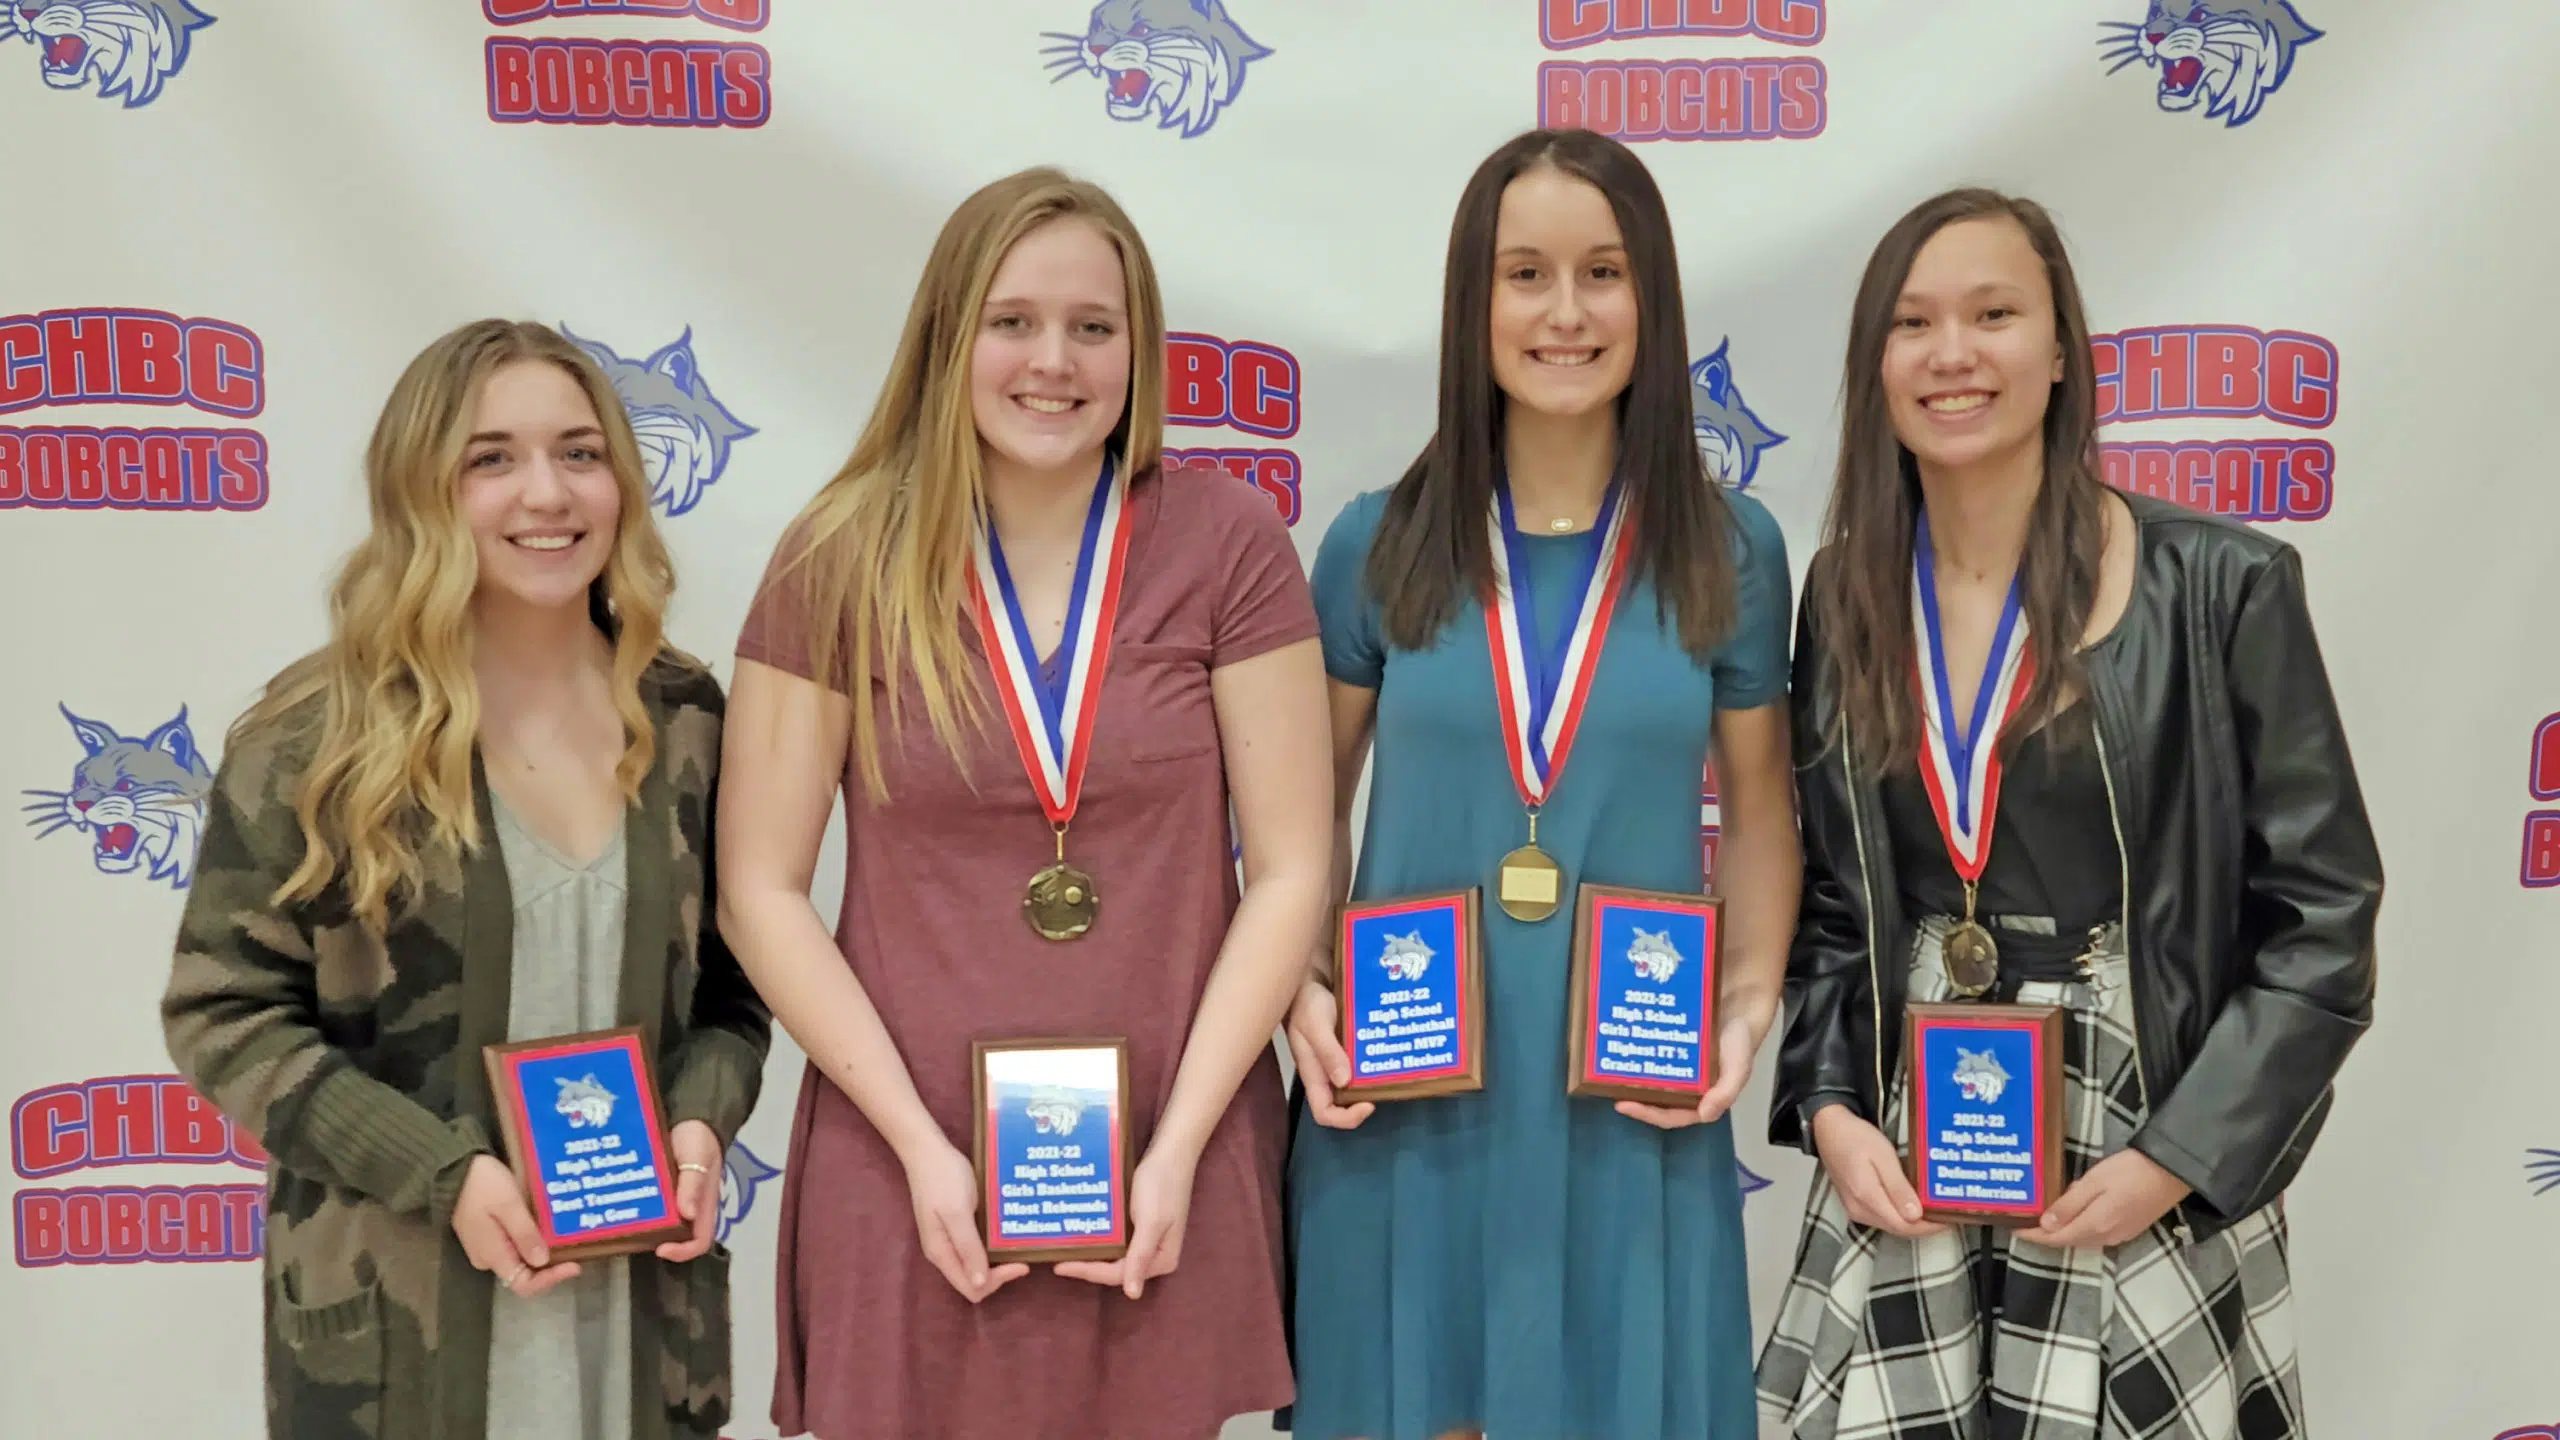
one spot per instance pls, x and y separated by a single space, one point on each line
1653 954
1054 1112
584 1103
1979 1076
1405 957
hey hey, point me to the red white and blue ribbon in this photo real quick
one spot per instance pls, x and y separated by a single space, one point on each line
1052 714
1962 773
1543 687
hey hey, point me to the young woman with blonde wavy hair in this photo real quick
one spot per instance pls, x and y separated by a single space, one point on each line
479 813
1014 454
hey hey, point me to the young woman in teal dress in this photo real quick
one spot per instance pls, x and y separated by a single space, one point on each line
1512 1260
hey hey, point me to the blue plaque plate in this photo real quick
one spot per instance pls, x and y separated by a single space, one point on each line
1643 1010
1052 1148
585 1135
1986 1111
1409 980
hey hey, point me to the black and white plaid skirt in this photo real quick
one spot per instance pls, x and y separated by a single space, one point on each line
1881 1338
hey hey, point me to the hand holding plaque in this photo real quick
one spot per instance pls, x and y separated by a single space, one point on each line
2113 1201
943 1190
1159 1218
700 1162
495 1226
584 1130
1315 1050
1866 1170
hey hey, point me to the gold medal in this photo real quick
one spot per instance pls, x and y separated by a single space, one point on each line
1530 883
1543 687
1971 956
1060 902
1973 959
1052 720
1962 765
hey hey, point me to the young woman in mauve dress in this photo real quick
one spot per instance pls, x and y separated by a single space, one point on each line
1018 431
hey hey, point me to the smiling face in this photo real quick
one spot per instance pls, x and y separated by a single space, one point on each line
1564 303
1972 355
1049 368
537 491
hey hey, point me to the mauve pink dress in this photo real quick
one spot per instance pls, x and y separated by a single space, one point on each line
873 1342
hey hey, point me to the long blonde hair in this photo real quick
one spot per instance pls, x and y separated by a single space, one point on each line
883 550
390 777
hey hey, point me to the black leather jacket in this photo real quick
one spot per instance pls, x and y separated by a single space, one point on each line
2251 878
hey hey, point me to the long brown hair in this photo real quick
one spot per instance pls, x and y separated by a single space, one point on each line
1432 549
389 780
1863 591
883 551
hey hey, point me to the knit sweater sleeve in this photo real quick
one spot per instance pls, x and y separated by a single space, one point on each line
243 1018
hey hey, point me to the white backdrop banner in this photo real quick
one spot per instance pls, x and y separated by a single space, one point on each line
2315 236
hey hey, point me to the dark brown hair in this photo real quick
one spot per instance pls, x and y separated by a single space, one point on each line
1863 591
1432 547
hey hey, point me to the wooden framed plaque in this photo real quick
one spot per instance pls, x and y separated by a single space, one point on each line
1641 1020
1408 975
585 1133
1985 1096
1051 1148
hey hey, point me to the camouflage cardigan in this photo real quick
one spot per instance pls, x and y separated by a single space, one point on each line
356 1062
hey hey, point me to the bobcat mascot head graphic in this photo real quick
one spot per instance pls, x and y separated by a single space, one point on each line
1054 1112
2224 57
1730 437
124 49
1405 957
583 1102
1979 1076
139 800
684 431
1182 61
1653 955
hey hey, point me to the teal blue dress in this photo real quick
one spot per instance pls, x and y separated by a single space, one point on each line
1514 1260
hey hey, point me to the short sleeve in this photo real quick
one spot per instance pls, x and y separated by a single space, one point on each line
1355 650
1751 665
776 631
1262 599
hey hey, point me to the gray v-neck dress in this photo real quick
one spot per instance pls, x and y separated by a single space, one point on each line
560 1363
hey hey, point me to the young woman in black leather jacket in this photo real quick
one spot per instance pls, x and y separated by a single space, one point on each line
2174 850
